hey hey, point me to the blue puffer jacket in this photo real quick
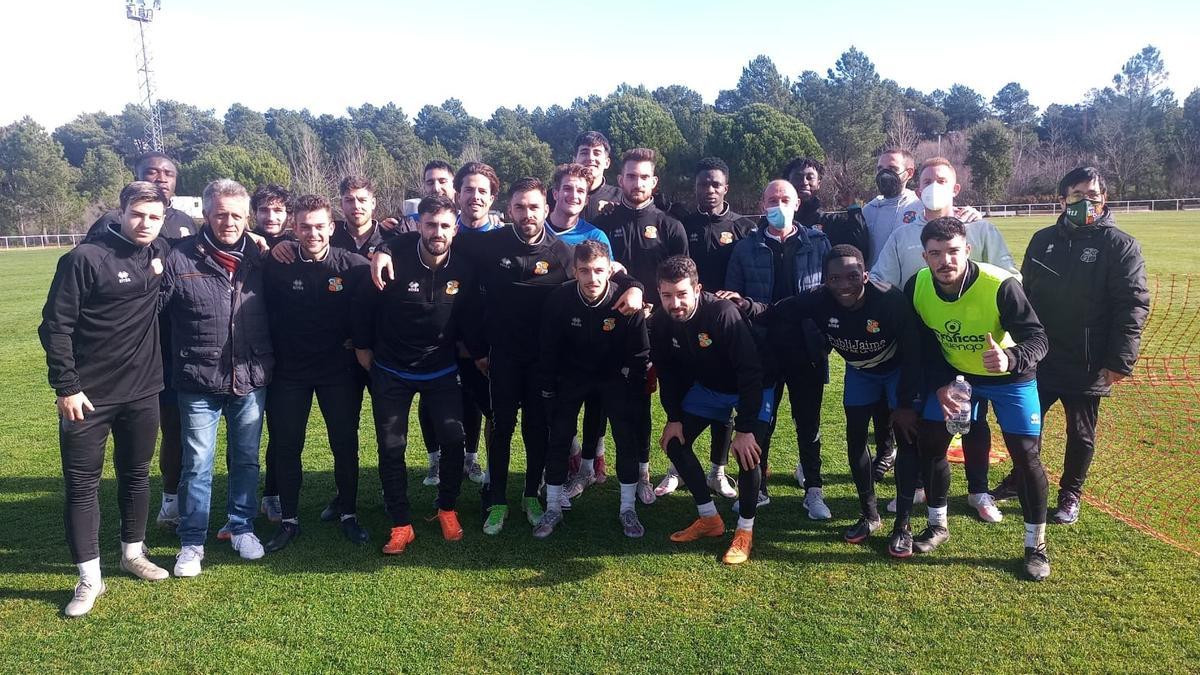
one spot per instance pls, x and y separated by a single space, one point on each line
221 342
751 274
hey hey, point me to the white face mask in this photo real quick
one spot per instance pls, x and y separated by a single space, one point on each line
937 196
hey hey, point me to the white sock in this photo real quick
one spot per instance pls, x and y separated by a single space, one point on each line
348 516
600 447
434 457
628 494
644 470
554 497
937 516
293 521
469 458
745 524
718 471
707 509
587 466
1035 535
89 571
130 551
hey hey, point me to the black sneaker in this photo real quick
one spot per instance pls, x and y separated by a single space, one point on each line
286 534
1068 509
900 544
356 533
1037 562
1005 489
883 464
862 529
930 538
332 512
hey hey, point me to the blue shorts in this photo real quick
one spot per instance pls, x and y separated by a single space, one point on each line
1016 404
863 388
713 405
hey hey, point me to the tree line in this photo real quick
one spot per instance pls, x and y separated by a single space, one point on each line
1134 129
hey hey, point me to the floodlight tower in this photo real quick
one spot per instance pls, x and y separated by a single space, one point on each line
138 11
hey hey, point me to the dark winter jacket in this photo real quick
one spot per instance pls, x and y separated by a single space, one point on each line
1088 286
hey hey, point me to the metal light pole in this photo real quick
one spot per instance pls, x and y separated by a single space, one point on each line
137 10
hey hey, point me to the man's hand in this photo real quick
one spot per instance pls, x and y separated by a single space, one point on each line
673 430
72 407
381 269
904 421
260 240
365 358
1112 377
630 302
735 298
616 268
389 224
995 359
285 252
483 365
746 449
950 407
495 220
967 214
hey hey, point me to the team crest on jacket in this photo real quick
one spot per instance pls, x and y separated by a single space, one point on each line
909 216
650 232
726 238
156 265
505 263
452 287
704 340
297 284
335 285
541 267
184 232
872 326
608 325
1089 255
576 322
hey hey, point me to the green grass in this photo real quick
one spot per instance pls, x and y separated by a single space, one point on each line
587 599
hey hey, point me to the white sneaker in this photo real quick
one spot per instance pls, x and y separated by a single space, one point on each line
918 498
187 562
473 472
564 502
986 507
248 546
168 513
576 485
668 484
84 599
799 474
722 485
814 501
645 490
431 475
142 568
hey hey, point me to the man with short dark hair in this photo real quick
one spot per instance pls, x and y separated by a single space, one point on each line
159 169
980 328
271 205
308 304
594 153
406 336
100 333
476 185
709 366
438 179
359 232
1087 281
590 349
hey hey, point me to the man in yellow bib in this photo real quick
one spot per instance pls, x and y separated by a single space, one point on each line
978 324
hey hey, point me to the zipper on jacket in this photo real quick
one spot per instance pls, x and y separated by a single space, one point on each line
1087 348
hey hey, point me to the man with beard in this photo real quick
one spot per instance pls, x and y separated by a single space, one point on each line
308 303
406 335
271 205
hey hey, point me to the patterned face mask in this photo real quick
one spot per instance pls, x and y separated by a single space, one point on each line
1084 212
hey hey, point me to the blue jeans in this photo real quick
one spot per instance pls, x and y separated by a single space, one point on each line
199 415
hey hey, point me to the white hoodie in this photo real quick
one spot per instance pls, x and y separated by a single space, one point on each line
900 257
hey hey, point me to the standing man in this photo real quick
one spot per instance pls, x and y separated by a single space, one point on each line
1087 281
308 303
272 205
100 333
406 336
805 173
162 171
590 349
782 259
359 232
985 331
594 153
902 257
212 291
709 366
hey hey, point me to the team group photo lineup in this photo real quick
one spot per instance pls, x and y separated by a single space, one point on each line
559 332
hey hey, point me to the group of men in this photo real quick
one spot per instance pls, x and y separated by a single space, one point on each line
591 298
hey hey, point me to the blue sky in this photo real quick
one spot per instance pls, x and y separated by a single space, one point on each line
78 55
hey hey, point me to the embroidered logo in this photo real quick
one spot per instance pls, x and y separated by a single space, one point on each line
872 326
505 263
704 340
541 267
1049 248
675 343
1035 418
414 287
123 277
909 216
335 284
575 322
650 232
184 232
452 287
693 237
297 284
834 323
156 265
726 238
1089 255
608 325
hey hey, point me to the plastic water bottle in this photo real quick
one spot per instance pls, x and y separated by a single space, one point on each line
960 391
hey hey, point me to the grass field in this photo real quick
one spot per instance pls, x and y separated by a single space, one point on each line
587 599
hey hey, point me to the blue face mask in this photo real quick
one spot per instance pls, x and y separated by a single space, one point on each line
778 217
